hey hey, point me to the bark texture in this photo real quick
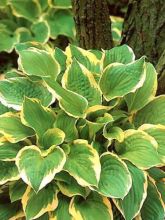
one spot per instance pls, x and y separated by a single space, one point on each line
161 74
93 24
144 28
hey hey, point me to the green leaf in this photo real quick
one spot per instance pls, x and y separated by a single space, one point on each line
7 41
86 58
118 79
40 31
152 113
46 165
156 173
53 136
36 116
79 80
9 172
136 146
158 132
62 210
68 125
27 9
12 128
60 57
69 186
121 54
10 210
17 190
83 163
61 23
153 205
131 204
8 151
4 109
161 188
37 62
61 4
94 207
13 91
146 93
35 205
113 133
72 103
115 180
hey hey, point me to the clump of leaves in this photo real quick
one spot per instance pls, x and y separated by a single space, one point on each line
34 20
97 151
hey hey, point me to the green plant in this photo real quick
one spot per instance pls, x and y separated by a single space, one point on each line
34 20
97 151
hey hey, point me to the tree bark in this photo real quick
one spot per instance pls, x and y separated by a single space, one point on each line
144 28
93 24
160 67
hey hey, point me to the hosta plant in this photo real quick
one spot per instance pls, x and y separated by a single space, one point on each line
82 136
34 20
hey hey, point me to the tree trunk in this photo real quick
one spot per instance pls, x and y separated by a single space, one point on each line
161 74
144 28
93 24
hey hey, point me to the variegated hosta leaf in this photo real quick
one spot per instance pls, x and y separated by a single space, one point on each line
121 54
94 207
53 136
69 186
161 188
7 41
8 151
72 103
98 124
153 207
62 210
12 128
4 109
113 133
13 91
156 173
86 58
79 80
60 57
60 22
67 125
152 113
36 62
83 163
27 9
9 211
36 116
131 204
35 205
97 117
118 79
40 31
9 172
17 190
158 132
139 148
46 165
146 93
115 180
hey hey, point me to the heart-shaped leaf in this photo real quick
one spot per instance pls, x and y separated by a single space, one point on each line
46 165
83 163
115 179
